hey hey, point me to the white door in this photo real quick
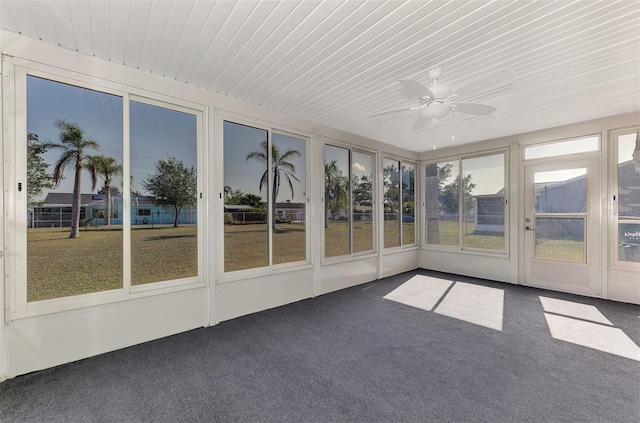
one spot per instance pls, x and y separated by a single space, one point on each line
562 226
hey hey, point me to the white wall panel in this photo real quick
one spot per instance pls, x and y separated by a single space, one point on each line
46 341
624 285
336 276
246 296
468 264
401 261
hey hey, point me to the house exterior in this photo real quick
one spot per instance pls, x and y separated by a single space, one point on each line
56 211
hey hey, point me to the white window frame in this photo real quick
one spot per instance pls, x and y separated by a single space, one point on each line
361 254
17 70
400 161
460 247
561 141
225 277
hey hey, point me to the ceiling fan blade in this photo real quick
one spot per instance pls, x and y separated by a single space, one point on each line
420 123
404 109
473 109
416 88
486 83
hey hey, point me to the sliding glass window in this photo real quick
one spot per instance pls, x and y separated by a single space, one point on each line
163 186
265 203
74 237
464 203
348 201
85 198
399 198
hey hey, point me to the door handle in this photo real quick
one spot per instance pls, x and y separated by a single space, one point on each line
529 228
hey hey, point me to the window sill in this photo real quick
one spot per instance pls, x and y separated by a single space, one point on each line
240 275
328 261
486 253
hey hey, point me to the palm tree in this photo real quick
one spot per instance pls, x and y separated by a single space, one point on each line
74 148
281 169
107 168
335 189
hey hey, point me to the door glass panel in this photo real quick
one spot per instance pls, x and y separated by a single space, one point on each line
561 191
288 158
362 189
629 198
164 218
74 235
560 239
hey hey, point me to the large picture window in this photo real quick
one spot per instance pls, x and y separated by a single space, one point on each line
85 233
348 201
464 203
264 198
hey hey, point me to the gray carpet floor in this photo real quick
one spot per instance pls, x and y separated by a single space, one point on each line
350 356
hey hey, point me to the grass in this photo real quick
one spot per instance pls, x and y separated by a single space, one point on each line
58 266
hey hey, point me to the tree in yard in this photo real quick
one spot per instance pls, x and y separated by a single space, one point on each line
74 146
38 177
281 168
238 197
232 196
449 195
391 180
172 185
107 168
362 190
336 192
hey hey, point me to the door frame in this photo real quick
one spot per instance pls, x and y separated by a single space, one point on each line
595 218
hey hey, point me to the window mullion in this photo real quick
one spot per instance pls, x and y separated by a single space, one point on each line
271 201
126 195
400 202
350 183
460 204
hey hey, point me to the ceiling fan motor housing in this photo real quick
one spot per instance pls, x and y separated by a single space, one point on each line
435 111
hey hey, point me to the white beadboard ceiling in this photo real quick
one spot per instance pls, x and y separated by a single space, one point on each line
336 62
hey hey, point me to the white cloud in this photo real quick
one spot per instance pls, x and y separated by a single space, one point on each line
358 166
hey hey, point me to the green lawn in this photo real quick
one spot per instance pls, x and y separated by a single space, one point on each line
58 266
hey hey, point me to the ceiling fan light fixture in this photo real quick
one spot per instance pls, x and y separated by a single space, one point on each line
435 111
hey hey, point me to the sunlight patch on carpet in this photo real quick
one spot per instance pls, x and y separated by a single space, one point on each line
573 309
420 291
592 335
480 305
585 325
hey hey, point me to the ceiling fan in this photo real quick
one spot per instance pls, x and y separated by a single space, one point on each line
437 101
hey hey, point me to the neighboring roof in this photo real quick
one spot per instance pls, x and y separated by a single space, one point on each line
228 207
66 198
290 206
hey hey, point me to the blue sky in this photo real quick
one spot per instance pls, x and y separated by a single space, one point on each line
243 174
156 133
